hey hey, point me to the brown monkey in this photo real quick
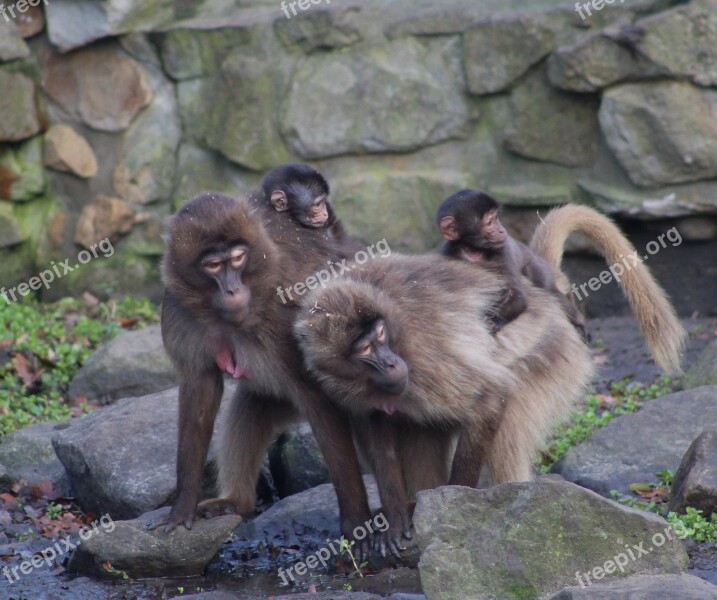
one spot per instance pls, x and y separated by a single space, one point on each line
469 221
225 260
393 310
303 192
405 348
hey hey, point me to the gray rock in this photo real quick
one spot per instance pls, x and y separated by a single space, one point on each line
12 46
10 233
6 480
632 448
310 521
297 463
234 112
130 547
146 170
703 371
661 133
394 97
28 454
551 125
132 364
19 119
368 202
320 30
695 482
640 587
122 459
525 540
492 57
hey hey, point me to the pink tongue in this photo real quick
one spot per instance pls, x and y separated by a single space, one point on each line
472 255
225 361
388 409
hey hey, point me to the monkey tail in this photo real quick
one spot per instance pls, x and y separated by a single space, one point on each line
658 321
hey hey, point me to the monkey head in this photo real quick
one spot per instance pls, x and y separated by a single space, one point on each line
471 217
216 252
348 339
301 190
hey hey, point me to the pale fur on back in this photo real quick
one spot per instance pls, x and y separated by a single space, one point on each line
663 332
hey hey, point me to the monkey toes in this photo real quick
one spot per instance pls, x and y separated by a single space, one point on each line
216 507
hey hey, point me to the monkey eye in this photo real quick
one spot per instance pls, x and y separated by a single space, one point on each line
364 350
237 258
213 266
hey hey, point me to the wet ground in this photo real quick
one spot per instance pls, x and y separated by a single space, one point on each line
619 351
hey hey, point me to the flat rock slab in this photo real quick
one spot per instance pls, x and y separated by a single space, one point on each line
130 547
530 539
664 587
632 448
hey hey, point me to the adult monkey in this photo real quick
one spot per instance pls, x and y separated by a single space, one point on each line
225 260
355 333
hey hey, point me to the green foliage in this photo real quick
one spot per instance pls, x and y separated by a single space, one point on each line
694 525
42 346
624 397
653 498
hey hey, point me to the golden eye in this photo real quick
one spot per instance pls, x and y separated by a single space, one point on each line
213 267
237 258
364 350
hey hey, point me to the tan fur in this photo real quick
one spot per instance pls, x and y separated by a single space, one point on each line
663 332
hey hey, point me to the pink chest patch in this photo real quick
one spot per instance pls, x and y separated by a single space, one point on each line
225 361
472 255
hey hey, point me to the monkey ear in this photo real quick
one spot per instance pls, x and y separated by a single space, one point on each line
448 228
279 201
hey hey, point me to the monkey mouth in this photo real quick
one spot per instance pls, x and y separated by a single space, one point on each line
389 409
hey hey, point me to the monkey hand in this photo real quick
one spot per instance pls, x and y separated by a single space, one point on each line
182 512
392 538
361 548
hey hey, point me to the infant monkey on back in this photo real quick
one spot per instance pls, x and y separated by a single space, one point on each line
302 192
469 221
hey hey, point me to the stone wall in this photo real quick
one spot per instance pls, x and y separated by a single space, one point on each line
113 113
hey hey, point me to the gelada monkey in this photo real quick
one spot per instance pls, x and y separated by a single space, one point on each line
383 344
469 221
224 261
302 192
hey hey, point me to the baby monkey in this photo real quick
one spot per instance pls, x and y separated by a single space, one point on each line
303 192
469 221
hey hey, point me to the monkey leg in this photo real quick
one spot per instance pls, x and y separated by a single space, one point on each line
252 423
426 456
333 433
199 398
378 435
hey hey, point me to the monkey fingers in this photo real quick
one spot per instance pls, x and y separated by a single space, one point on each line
399 528
182 513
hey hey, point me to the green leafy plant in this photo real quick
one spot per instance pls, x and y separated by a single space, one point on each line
42 346
693 524
624 397
346 551
53 510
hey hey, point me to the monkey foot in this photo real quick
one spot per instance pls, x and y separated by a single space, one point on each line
216 507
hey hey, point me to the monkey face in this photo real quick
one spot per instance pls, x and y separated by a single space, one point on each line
224 267
387 371
492 230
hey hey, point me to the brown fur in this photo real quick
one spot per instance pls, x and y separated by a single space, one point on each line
663 332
